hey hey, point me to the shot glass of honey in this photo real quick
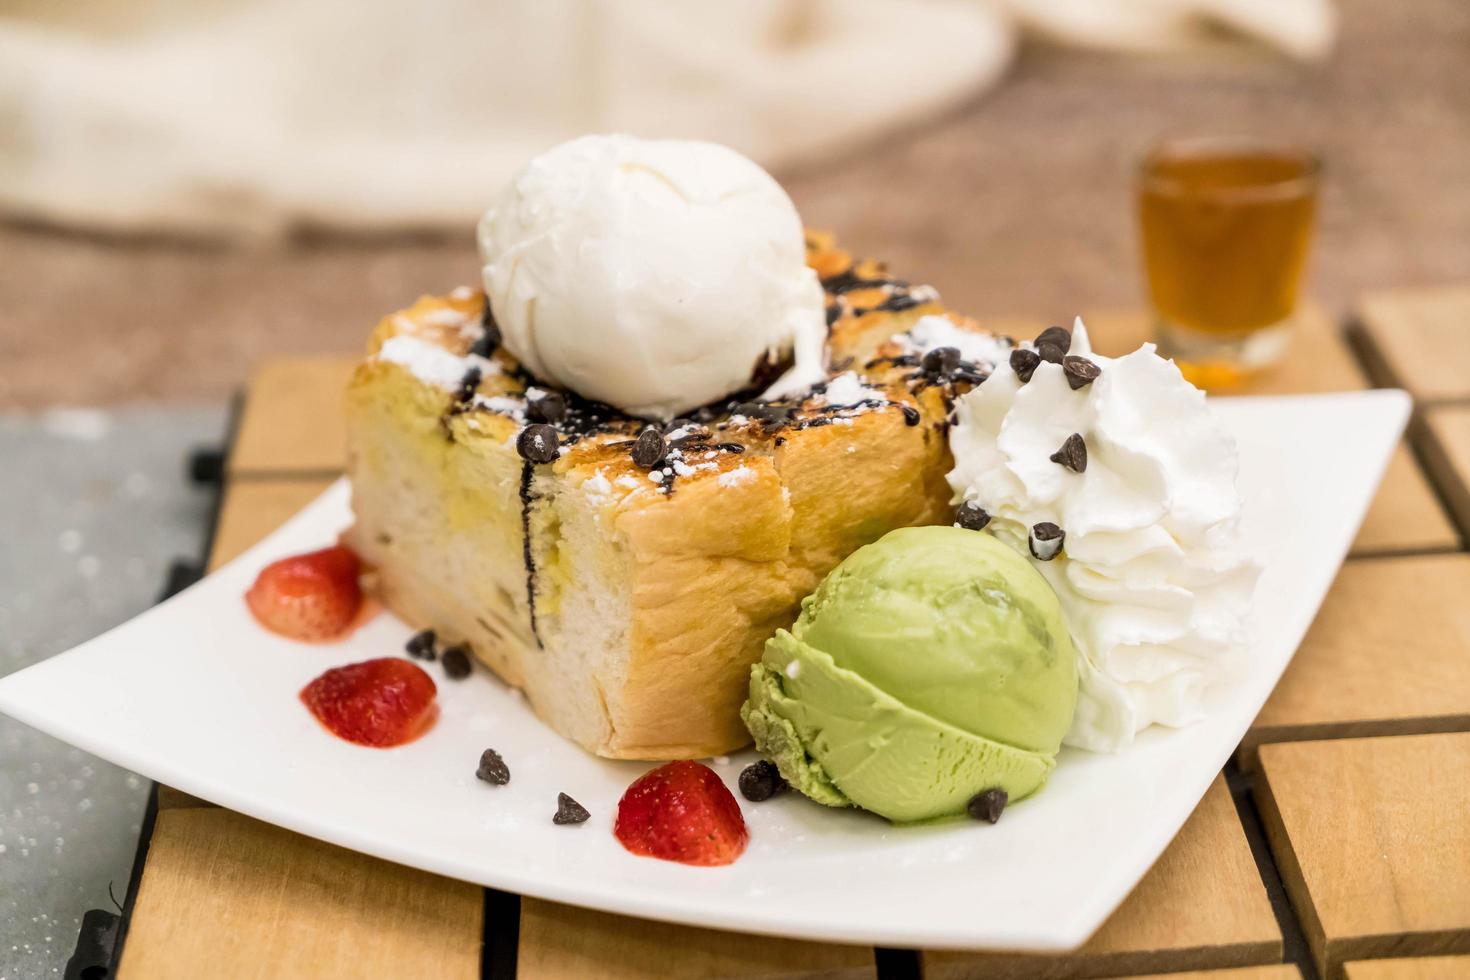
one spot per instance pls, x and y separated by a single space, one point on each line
1225 227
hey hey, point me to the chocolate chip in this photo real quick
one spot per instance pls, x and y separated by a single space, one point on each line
1051 353
1024 363
569 810
731 447
1073 454
467 385
489 338
988 805
537 443
546 406
760 781
1080 371
420 646
971 516
649 448
456 662
1060 336
486 344
1046 540
493 769
941 360
911 416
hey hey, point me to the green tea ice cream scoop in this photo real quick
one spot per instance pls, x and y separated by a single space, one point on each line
928 667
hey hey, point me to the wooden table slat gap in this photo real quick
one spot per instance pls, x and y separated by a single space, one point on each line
1436 433
1294 946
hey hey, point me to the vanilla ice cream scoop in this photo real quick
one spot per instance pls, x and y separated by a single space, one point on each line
653 275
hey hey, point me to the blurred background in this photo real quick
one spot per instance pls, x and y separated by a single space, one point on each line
187 189
192 187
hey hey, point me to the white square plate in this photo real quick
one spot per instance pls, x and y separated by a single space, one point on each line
194 694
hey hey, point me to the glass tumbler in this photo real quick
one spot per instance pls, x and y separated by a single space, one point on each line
1225 228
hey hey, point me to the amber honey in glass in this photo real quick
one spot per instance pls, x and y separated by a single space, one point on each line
1225 229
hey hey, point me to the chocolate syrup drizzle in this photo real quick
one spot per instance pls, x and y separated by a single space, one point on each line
829 414
848 280
900 295
528 558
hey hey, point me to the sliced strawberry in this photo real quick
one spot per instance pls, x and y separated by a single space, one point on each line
382 703
681 812
314 596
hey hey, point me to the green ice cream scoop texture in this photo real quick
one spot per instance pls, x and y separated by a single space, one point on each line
928 667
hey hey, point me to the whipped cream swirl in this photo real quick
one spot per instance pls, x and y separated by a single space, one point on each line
1152 576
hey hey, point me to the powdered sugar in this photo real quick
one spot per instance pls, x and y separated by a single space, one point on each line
431 363
504 404
446 317
938 331
739 476
848 389
597 487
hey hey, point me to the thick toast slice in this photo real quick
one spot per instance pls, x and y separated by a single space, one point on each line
628 602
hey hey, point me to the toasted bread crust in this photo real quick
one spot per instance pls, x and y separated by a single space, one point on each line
648 599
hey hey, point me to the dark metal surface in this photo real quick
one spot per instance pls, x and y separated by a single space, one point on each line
93 507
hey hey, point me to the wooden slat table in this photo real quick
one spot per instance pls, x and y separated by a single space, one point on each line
225 896
294 419
1415 339
1444 437
254 508
1373 838
1208 869
561 941
1389 654
1413 968
1419 340
1277 971
1406 518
